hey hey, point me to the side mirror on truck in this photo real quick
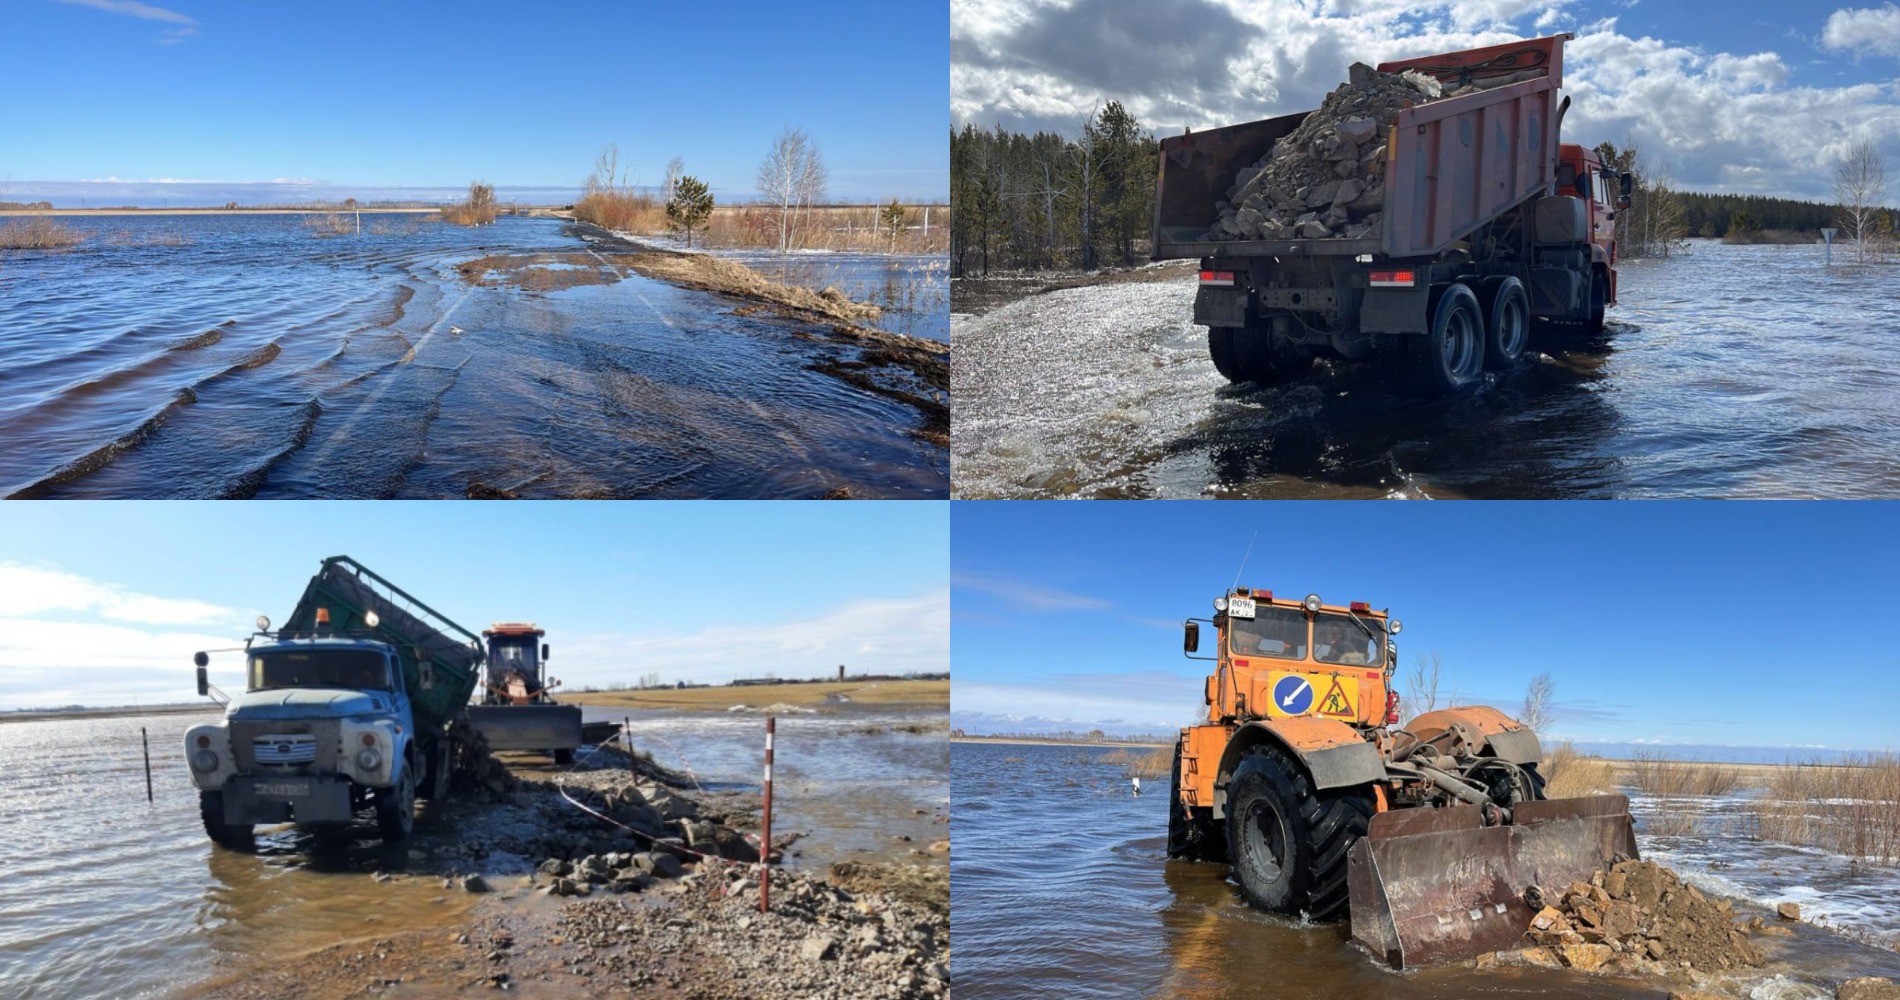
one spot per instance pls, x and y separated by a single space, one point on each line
204 682
544 652
1191 638
1623 200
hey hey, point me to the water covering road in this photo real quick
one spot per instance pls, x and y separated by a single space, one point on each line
1061 889
245 356
105 896
1732 371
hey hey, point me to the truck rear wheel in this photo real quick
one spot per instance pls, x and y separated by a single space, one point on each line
1189 836
1263 359
396 808
1599 302
1450 357
1220 347
1288 842
1507 327
236 836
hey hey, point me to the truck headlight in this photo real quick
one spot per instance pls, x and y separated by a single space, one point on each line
205 760
369 759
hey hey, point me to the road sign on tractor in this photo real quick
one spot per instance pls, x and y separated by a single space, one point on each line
1293 694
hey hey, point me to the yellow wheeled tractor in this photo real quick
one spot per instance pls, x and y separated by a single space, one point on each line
1301 780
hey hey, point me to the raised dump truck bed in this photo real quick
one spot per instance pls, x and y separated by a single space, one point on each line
1451 165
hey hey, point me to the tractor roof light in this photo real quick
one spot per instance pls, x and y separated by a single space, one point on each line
1361 607
323 616
1393 626
1262 595
1220 604
1312 602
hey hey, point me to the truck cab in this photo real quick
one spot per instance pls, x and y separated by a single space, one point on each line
1605 193
323 728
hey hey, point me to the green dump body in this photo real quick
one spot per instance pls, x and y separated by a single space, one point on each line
441 661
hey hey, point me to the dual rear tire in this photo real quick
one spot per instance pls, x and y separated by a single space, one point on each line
1471 330
1242 355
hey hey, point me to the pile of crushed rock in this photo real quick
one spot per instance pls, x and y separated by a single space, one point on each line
1638 916
1326 178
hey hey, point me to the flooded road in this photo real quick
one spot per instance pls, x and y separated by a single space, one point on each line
1732 371
1061 889
212 356
105 896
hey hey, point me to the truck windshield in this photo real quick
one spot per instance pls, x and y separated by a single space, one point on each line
346 668
1276 632
1339 639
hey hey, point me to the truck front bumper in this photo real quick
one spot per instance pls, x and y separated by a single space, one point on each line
315 798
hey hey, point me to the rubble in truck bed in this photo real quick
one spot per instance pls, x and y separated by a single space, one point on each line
1639 918
1326 178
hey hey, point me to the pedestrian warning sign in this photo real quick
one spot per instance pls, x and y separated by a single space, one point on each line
1339 698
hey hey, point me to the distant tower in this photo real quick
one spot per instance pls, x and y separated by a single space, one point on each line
841 671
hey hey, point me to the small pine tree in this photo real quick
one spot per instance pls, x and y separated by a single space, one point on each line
691 206
891 218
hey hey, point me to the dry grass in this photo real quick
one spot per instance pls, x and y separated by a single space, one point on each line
863 692
330 223
622 211
39 233
1153 763
479 210
1851 807
1657 774
1568 774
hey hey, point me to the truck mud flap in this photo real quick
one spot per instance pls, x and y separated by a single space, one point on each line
1218 306
302 799
1428 886
528 727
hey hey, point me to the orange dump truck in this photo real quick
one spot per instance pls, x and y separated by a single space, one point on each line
1301 779
1489 222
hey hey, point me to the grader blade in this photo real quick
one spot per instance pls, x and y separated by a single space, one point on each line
528 727
1428 886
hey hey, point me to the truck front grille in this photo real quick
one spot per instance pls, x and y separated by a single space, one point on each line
292 749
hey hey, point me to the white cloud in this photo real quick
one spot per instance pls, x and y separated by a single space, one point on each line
1873 30
1028 596
133 8
885 635
29 591
1722 121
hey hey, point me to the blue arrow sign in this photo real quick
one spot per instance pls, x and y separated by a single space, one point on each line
1292 695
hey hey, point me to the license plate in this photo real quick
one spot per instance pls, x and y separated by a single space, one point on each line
284 789
1240 607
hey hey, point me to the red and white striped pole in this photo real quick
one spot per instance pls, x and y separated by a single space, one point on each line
765 839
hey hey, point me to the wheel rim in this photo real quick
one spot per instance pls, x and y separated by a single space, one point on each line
1458 344
1266 840
1512 330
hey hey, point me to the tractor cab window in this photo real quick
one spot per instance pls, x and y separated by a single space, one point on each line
342 668
1342 639
1275 632
518 655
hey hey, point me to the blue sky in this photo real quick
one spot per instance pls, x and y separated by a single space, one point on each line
1748 623
366 98
103 603
1754 96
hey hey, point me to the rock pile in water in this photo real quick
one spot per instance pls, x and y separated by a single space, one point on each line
1326 178
1638 910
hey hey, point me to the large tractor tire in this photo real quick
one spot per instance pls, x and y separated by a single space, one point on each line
1449 358
563 758
1286 842
236 836
1189 837
1507 321
396 808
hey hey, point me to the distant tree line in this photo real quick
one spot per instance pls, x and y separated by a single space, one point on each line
1045 201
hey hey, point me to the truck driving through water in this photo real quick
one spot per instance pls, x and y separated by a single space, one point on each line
355 703
1489 222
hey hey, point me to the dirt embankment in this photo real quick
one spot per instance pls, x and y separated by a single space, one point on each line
650 891
911 370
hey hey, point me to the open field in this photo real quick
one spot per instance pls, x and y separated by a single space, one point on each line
930 693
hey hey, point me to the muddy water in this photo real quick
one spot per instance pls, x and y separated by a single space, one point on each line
206 356
1061 889
1731 371
104 895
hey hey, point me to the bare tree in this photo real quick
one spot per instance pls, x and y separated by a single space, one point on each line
1860 180
1537 701
1421 685
791 178
674 168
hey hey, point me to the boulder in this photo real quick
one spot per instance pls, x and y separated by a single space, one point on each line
1788 911
1868 988
475 883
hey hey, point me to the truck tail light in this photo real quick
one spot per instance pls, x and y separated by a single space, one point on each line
1391 708
1225 278
1386 279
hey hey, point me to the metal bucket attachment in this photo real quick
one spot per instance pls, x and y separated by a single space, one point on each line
1436 885
528 727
